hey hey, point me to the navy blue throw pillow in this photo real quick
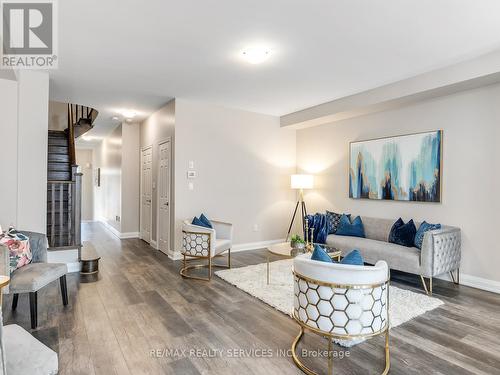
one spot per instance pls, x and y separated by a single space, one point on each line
320 254
424 227
205 221
353 258
348 228
199 223
403 234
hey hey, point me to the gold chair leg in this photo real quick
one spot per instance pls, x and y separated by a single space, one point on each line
387 354
296 358
185 268
330 356
428 291
229 258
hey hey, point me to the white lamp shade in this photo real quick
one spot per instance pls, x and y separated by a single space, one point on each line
302 181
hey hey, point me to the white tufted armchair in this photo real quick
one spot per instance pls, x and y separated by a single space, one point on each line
339 301
205 243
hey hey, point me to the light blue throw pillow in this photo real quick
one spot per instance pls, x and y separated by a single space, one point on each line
424 227
320 255
348 228
205 221
354 258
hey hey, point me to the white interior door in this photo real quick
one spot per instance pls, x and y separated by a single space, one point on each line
164 197
146 193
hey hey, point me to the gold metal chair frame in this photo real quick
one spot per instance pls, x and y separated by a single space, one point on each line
185 267
330 336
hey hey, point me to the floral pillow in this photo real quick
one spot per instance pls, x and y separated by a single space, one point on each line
19 248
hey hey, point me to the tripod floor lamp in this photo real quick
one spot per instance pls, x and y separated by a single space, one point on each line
300 182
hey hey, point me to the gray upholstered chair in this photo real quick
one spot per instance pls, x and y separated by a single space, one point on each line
34 276
205 243
22 354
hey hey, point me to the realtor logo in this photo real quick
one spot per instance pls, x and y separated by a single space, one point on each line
28 34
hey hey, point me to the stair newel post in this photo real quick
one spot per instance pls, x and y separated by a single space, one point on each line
77 208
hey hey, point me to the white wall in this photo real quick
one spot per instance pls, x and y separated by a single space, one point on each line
471 157
155 129
107 197
243 162
118 196
130 182
84 160
24 132
8 153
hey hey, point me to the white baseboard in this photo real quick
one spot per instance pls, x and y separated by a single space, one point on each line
154 244
475 282
255 245
176 255
117 233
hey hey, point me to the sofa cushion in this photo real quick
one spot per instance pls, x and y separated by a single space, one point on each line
348 228
403 234
398 257
35 276
222 245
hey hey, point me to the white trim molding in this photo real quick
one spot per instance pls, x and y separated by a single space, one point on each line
176 255
154 244
475 282
255 245
116 232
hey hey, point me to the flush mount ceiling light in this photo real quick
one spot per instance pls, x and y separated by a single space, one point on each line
256 55
115 118
127 113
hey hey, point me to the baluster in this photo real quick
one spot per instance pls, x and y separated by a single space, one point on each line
61 212
70 210
53 214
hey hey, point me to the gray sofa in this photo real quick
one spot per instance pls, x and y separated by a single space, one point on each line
441 249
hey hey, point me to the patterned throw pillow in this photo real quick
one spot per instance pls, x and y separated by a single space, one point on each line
333 221
19 248
424 227
403 234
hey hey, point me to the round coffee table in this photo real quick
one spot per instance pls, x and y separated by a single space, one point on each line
284 249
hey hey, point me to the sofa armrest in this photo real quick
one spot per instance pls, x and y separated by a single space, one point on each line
4 265
441 251
38 246
223 231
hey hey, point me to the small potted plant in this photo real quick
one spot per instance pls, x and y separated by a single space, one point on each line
297 242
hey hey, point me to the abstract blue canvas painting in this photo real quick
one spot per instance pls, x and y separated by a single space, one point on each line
404 168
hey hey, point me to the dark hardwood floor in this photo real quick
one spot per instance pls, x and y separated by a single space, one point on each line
140 308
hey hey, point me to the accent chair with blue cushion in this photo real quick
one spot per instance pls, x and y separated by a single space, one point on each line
200 242
340 301
440 252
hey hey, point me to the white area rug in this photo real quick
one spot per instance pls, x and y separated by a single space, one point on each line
404 305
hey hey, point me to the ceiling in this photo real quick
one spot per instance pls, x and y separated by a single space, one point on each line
119 54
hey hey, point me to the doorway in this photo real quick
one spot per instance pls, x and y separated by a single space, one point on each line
146 192
164 181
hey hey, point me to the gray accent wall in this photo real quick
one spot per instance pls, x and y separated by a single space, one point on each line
471 158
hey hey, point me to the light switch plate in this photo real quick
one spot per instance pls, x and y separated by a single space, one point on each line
191 164
190 186
191 174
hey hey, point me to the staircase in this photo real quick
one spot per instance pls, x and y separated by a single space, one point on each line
59 166
64 181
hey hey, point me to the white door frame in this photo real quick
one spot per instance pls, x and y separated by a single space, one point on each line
140 194
168 139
